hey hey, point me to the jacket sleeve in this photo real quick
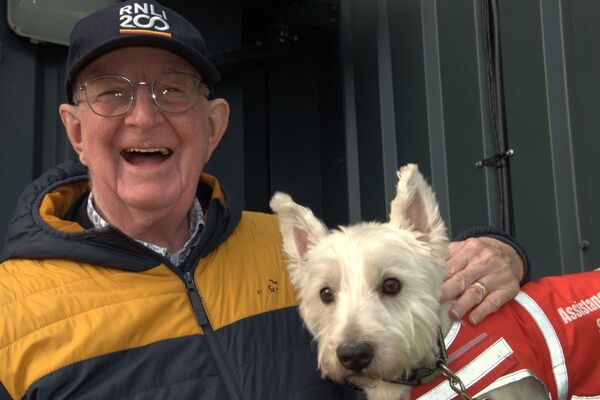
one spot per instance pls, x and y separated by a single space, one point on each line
4 393
488 231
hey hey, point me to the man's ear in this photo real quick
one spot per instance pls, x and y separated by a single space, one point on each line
218 116
69 114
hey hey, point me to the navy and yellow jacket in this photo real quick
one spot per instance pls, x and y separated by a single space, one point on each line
88 313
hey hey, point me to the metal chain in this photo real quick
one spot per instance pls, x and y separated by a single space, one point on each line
455 383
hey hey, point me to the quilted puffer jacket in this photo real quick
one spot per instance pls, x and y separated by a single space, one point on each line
87 313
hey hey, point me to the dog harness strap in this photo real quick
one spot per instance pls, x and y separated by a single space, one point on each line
557 357
469 374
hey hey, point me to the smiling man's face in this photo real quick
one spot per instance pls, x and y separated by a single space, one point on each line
146 159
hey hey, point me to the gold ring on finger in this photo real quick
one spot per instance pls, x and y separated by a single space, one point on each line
482 289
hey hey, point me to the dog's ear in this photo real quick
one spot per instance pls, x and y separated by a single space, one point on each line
300 229
416 208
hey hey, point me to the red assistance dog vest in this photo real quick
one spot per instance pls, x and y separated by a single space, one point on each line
551 332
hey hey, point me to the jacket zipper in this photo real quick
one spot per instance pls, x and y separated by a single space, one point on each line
196 301
231 385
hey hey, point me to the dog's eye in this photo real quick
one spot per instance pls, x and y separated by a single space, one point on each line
391 286
327 295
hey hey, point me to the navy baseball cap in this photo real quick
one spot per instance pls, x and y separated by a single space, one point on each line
136 23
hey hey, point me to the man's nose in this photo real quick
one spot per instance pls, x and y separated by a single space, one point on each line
144 111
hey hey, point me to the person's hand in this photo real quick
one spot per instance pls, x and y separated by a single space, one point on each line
484 273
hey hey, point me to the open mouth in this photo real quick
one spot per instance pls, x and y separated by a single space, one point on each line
139 156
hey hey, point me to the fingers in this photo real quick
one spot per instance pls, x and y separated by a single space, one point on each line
484 275
466 253
475 297
482 289
460 282
457 279
458 258
491 304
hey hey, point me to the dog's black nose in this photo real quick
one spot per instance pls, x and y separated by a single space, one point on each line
355 356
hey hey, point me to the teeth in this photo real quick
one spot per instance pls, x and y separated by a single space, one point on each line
161 150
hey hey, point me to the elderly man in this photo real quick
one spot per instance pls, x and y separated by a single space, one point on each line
131 274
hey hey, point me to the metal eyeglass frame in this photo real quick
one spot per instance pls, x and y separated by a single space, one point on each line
152 94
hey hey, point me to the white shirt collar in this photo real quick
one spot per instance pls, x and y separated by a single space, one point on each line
197 223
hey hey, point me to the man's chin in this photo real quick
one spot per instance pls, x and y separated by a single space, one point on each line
150 196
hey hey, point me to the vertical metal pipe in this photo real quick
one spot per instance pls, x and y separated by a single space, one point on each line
489 147
503 165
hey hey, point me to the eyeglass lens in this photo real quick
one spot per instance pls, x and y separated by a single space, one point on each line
113 95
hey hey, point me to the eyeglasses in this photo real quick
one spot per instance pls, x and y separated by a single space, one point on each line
113 95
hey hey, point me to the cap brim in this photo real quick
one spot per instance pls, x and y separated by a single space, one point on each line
207 70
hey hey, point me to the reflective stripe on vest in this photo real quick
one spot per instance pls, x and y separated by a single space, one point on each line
473 371
557 357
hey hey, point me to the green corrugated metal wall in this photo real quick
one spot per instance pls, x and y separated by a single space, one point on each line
367 86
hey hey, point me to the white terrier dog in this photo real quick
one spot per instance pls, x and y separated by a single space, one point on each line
369 294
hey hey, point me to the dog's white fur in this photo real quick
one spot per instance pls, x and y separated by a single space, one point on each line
353 263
